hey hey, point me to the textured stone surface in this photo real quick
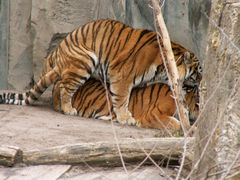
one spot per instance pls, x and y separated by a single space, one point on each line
20 71
33 23
4 15
51 17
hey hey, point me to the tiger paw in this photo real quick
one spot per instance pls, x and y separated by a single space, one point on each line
125 117
139 124
130 121
71 111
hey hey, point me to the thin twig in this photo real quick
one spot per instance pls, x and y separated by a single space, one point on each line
214 129
113 128
173 76
223 74
170 67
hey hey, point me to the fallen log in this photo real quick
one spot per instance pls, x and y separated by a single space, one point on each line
9 155
106 153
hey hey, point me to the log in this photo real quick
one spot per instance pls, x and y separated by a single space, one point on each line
9 155
106 153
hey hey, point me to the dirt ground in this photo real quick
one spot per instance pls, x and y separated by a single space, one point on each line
66 172
40 127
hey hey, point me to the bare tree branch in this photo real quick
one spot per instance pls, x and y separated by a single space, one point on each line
171 68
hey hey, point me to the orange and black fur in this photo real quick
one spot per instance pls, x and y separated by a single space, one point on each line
152 106
108 50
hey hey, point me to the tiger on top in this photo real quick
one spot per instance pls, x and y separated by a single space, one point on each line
109 50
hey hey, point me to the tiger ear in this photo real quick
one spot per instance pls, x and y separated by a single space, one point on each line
187 57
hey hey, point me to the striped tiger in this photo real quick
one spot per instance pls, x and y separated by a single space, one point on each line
152 106
111 51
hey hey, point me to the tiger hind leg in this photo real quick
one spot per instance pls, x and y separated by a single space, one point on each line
120 93
161 122
70 82
56 97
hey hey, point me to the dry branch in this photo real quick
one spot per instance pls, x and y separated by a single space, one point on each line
106 153
171 67
9 155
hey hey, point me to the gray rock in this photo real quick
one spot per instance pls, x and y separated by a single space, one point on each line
34 23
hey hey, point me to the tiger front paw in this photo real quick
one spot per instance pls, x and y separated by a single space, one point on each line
139 124
70 111
127 120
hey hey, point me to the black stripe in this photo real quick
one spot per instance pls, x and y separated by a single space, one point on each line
4 97
141 97
1 99
107 26
20 96
71 38
119 34
8 95
158 91
168 91
116 52
95 30
122 62
151 94
82 33
76 37
66 42
75 77
108 48
96 33
12 96
134 79
101 108
26 101
134 62
33 97
128 37
142 78
87 31
86 108
37 88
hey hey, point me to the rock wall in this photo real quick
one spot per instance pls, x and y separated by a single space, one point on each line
34 23
20 71
4 43
51 17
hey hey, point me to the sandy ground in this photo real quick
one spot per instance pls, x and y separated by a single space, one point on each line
39 127
66 172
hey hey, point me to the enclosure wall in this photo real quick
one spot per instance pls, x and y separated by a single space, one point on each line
27 27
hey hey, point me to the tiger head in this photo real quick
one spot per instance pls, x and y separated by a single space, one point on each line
188 68
192 102
191 89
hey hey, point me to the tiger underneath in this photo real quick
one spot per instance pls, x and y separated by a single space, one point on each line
113 52
152 106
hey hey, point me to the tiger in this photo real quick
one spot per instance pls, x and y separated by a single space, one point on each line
109 50
152 106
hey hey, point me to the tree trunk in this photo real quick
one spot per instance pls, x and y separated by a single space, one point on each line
217 139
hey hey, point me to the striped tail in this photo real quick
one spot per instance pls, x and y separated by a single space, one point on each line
35 92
